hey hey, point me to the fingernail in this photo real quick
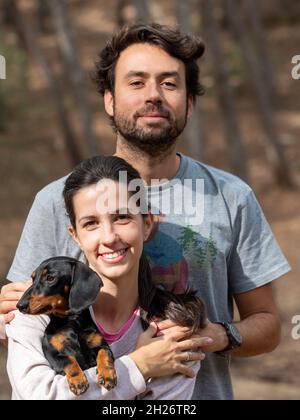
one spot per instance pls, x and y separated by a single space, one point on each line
209 340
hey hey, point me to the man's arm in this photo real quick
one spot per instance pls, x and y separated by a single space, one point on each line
259 326
10 294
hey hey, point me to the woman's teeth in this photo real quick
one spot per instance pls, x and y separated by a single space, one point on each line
114 254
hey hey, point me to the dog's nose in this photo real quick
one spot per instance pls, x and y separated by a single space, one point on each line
22 306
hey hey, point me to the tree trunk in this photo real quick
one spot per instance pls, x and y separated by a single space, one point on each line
30 38
69 51
43 16
10 13
119 12
193 134
142 10
253 13
224 91
275 151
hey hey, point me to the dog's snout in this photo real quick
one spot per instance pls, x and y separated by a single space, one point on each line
22 305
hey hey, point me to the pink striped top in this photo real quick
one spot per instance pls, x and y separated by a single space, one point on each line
111 338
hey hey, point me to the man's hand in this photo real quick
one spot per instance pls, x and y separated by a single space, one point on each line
217 334
9 297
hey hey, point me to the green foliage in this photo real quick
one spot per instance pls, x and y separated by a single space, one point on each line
14 89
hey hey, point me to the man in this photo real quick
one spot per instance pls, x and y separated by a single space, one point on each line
148 77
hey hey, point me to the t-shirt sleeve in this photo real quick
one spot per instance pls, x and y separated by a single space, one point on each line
37 241
256 258
32 378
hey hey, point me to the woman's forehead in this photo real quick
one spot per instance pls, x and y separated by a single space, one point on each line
106 197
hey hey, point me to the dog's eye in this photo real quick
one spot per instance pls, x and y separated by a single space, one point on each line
50 279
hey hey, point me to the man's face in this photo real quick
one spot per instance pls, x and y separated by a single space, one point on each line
149 107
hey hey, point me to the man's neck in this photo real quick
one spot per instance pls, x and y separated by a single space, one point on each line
161 168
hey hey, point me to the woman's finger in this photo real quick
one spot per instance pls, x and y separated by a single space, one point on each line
191 356
7 306
11 296
8 317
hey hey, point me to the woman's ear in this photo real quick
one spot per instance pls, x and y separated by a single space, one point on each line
109 102
148 226
73 233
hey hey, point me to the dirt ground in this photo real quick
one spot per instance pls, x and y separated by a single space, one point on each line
32 154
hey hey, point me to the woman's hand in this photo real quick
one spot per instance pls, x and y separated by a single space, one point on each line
167 354
10 296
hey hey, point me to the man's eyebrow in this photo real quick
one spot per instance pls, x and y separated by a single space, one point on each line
133 73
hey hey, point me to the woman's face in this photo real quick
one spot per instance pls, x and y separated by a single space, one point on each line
112 242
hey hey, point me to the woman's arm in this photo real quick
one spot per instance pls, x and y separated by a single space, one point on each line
31 376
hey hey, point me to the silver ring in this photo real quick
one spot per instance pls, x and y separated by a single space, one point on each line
188 356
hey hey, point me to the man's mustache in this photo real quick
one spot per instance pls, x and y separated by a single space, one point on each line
150 109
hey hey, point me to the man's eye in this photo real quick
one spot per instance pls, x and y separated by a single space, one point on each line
136 83
170 85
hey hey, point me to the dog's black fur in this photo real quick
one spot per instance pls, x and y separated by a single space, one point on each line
64 288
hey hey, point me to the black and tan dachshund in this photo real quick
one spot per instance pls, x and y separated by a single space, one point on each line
64 288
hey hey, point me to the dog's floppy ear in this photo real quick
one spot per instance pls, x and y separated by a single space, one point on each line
84 289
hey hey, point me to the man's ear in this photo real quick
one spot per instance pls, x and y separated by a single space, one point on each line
109 102
190 106
85 287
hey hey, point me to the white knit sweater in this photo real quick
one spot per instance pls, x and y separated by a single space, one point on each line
32 378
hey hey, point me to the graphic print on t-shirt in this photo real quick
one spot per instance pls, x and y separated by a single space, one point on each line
170 258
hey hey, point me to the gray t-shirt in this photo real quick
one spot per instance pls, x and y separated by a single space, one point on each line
224 247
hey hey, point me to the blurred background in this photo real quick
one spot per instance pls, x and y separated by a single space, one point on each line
248 123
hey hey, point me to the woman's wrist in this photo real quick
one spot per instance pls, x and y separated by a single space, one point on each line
140 363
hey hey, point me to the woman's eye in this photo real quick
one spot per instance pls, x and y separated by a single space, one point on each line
89 224
123 217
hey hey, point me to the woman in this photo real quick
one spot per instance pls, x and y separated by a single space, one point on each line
111 230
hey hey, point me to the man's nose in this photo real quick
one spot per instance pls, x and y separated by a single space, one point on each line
154 94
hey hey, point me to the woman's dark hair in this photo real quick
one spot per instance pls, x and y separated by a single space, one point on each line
185 47
185 309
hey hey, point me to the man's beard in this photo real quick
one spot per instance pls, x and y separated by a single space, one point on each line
155 140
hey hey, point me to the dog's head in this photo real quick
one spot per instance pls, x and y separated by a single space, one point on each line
61 286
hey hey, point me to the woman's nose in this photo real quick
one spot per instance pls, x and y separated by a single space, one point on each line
109 235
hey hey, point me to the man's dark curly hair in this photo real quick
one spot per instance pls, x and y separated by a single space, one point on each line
185 47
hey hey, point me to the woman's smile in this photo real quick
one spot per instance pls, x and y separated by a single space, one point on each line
114 257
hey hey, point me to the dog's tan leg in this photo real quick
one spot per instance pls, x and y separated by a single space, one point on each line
75 376
107 376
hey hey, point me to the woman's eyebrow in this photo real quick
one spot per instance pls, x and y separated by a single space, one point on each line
123 210
86 217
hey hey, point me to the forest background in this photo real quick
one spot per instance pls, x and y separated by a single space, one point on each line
248 123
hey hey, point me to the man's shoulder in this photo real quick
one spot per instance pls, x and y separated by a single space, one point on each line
52 193
217 181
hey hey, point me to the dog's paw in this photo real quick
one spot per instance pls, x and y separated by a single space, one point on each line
109 381
79 388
